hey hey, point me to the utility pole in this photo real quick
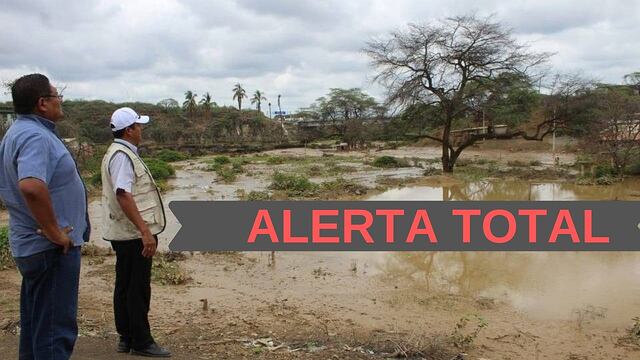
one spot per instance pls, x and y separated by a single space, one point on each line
279 109
553 139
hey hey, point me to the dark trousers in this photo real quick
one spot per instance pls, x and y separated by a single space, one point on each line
132 293
49 304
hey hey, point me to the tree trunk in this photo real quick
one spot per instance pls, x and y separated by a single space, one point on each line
447 163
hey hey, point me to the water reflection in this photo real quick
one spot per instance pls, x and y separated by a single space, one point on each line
515 190
547 284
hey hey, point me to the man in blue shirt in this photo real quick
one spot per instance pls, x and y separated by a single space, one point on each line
47 203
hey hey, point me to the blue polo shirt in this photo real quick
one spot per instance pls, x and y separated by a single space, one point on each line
32 149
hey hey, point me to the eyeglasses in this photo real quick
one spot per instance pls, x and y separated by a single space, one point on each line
60 97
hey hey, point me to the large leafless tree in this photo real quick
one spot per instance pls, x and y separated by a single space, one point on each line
451 64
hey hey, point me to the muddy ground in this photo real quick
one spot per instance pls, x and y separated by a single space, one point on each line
325 305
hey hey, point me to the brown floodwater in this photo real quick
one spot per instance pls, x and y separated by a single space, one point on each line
603 285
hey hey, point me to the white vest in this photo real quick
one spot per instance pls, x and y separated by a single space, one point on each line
116 225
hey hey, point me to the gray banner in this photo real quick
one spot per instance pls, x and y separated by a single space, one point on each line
366 225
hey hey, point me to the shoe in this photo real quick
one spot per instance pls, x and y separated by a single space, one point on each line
153 350
124 346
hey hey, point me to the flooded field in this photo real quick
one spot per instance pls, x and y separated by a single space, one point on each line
483 305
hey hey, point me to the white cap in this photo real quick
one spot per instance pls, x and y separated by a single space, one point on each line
125 117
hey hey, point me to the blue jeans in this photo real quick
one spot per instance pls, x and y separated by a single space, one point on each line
49 304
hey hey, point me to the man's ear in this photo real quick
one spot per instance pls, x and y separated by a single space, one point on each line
40 104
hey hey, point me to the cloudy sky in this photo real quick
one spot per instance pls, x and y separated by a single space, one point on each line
149 50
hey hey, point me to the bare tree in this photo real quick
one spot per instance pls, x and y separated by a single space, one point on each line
633 80
451 64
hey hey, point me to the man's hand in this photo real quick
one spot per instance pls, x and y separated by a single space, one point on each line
59 238
130 209
36 195
149 244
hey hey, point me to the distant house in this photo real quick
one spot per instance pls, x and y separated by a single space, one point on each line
623 130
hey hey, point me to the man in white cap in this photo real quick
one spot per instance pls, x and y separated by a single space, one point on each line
133 217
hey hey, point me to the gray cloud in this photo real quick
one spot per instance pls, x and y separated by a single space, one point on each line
148 50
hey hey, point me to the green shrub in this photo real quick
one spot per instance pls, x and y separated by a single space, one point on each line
342 186
237 167
604 170
258 196
92 164
293 185
605 180
227 174
95 179
389 162
213 167
227 169
275 160
160 170
221 160
6 260
633 168
167 155
239 161
166 271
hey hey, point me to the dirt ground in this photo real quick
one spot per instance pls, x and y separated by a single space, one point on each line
323 305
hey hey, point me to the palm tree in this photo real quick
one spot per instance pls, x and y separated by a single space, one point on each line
239 94
206 103
190 104
257 99
281 117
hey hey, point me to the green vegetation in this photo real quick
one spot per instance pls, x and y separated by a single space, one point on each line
389 162
227 169
257 196
471 172
298 186
604 170
167 155
464 338
342 187
276 160
221 160
95 180
293 185
159 169
227 174
603 174
167 271
6 260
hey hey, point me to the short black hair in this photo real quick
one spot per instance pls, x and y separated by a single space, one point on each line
26 91
118 134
